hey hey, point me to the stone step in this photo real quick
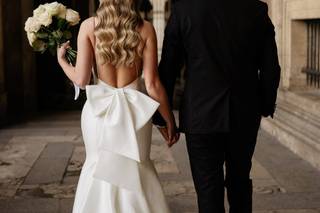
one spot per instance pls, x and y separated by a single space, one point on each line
312 118
297 127
301 123
294 140
301 100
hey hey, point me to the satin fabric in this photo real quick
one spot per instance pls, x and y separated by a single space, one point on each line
118 175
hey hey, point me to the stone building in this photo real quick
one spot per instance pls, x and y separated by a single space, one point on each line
297 120
160 13
31 82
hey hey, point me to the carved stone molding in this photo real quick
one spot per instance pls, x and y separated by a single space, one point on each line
294 40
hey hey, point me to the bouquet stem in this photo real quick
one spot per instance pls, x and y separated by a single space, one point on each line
71 56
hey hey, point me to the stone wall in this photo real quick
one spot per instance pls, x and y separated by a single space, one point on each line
28 63
13 57
159 21
289 17
297 120
19 65
3 98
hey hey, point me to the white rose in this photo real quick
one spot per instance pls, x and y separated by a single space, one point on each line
32 25
72 17
31 38
62 13
42 15
39 11
45 19
56 9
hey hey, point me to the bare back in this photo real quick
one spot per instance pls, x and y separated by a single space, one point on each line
118 76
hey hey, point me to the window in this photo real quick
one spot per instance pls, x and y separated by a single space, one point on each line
313 53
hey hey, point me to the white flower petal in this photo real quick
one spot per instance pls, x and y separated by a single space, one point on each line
72 17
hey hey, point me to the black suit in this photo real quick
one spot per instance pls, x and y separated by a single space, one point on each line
232 77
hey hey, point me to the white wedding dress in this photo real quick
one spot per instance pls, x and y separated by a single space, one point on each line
118 175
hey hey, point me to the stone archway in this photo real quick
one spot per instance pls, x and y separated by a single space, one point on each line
159 21
54 89
3 96
296 121
27 78
13 94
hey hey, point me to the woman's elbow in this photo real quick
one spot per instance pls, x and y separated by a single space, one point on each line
153 86
82 83
150 85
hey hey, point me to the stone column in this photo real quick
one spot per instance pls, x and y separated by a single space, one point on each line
92 7
159 21
277 16
12 32
82 8
3 97
29 73
294 40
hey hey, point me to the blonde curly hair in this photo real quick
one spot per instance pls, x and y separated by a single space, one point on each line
118 41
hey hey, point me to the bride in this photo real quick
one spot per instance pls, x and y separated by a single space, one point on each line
118 175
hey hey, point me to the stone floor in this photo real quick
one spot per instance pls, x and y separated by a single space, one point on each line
40 162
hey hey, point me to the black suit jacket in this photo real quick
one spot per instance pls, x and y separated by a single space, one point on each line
232 68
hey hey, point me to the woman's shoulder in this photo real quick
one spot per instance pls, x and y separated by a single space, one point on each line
87 27
86 30
147 26
89 22
147 29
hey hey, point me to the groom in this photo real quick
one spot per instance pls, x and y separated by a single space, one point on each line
232 77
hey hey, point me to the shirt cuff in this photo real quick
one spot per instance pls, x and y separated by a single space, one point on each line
76 91
160 126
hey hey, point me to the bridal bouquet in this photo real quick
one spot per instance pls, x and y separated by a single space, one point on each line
50 26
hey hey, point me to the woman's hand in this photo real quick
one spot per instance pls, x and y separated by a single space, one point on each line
62 50
173 134
164 132
170 134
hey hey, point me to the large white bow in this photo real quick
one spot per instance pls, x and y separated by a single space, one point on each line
124 112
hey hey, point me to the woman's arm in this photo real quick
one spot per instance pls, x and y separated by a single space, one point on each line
172 58
80 74
153 84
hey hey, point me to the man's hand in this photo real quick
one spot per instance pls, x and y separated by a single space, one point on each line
164 132
170 135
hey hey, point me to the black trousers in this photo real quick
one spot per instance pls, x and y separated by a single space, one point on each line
207 154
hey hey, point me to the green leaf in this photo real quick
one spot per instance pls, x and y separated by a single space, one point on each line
62 23
57 34
53 51
52 42
45 30
39 46
42 35
67 35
